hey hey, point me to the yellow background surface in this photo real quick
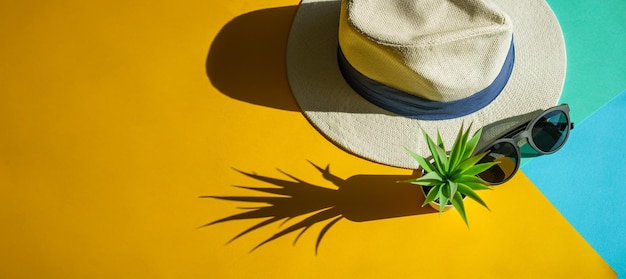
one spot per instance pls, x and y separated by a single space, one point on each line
117 116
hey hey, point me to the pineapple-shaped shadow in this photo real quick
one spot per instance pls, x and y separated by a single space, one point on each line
358 198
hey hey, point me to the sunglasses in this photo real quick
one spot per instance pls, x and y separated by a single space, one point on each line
546 134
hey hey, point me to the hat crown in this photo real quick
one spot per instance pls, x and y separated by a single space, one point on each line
439 50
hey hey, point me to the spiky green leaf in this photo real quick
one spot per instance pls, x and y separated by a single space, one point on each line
431 147
442 206
455 153
443 158
438 156
432 195
471 161
453 188
468 191
423 182
439 141
445 189
464 154
432 175
457 202
476 169
429 179
427 166
476 186
471 144
443 199
471 179
464 137
457 150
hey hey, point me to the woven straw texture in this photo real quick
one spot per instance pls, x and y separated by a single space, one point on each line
366 130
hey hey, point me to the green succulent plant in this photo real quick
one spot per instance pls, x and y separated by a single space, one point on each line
452 175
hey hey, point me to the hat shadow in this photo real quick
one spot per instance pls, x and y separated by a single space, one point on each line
359 198
247 59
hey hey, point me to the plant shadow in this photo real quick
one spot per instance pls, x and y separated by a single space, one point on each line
359 198
247 59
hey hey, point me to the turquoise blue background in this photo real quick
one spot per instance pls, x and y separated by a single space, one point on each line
585 179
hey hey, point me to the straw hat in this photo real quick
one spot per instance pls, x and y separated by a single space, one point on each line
369 74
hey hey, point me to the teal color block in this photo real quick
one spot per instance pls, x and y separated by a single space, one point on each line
595 42
586 180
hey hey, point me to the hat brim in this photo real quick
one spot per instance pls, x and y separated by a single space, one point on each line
366 130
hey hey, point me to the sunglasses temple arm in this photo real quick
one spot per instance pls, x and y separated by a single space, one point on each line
571 125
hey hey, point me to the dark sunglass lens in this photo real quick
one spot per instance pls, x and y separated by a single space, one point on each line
505 154
550 132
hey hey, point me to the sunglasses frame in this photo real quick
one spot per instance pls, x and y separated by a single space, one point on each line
523 134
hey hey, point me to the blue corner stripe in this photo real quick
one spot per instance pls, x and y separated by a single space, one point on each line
586 180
